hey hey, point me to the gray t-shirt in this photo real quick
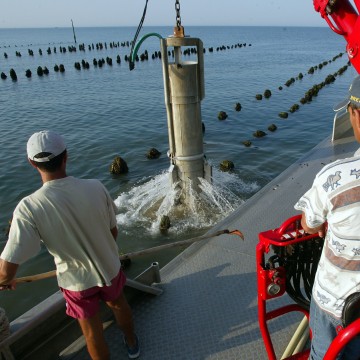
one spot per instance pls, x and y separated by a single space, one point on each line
73 218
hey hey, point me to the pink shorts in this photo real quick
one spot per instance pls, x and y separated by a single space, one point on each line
86 303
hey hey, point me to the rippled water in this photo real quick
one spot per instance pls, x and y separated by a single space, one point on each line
109 111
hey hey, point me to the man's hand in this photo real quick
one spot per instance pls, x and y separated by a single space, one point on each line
11 286
319 229
7 275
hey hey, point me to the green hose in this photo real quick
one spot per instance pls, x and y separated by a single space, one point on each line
133 56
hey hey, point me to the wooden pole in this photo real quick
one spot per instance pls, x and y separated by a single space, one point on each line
73 30
52 273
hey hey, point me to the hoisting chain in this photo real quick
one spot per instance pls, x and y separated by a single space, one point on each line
178 17
178 29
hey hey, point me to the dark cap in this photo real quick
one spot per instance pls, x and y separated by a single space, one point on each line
353 96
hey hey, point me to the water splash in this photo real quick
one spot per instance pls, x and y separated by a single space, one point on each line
145 204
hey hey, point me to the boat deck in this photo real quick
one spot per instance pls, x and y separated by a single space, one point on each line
208 309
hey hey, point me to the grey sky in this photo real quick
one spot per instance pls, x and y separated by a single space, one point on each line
51 13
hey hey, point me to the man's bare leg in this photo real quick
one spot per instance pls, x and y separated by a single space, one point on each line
92 329
124 319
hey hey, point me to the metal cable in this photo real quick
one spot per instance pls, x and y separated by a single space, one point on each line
131 63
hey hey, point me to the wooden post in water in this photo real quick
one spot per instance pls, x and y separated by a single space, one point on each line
73 30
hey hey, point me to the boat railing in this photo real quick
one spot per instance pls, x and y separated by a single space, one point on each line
342 128
287 260
45 331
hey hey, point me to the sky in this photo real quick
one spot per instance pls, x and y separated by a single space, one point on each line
58 13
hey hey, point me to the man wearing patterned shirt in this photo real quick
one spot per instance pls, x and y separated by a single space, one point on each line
334 198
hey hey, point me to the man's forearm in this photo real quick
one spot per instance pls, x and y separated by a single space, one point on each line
310 230
7 271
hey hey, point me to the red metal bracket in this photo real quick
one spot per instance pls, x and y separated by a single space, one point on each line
271 284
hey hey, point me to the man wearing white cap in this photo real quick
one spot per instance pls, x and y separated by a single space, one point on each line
334 198
75 220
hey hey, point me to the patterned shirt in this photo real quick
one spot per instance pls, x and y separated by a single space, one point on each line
335 197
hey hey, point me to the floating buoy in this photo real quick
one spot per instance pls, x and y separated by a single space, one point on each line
226 165
222 115
294 108
119 166
85 64
272 127
238 106
13 75
330 79
289 82
267 94
153 153
259 133
247 143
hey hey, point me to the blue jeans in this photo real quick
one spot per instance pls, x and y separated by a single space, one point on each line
323 327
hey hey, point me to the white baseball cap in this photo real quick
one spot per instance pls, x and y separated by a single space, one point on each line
45 142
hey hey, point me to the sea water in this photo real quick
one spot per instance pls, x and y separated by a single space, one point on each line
111 111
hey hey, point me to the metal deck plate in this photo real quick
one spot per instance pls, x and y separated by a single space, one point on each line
208 309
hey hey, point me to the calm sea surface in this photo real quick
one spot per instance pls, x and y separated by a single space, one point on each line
109 111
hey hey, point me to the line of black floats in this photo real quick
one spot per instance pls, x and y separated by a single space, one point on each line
112 45
84 64
308 97
40 71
